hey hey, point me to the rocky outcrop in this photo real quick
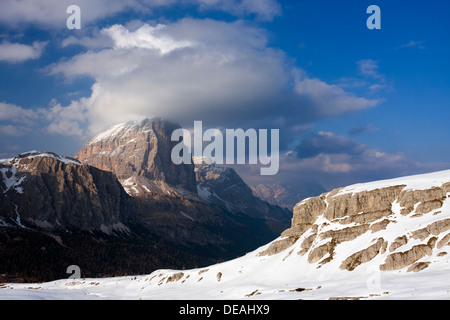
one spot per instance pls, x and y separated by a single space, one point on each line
139 149
366 205
225 188
369 213
398 242
400 260
427 200
50 192
278 246
364 255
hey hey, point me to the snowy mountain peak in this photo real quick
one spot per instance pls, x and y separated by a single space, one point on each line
13 170
46 191
142 149
123 128
38 154
414 182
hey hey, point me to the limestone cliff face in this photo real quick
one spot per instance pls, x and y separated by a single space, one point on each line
403 225
225 188
139 149
165 197
46 191
184 203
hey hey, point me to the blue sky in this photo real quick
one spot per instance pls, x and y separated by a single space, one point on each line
352 104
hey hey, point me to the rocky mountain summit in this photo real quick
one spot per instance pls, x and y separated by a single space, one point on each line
50 192
167 195
226 189
123 191
140 149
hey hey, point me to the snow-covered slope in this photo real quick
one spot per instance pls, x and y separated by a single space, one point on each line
382 240
120 130
11 179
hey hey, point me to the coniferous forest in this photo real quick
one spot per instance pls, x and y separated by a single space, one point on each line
40 256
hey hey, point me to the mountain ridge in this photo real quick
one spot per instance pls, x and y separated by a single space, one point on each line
127 190
139 154
53 192
139 148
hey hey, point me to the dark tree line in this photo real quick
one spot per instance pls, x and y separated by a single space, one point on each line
32 256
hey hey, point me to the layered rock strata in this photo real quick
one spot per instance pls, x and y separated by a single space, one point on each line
346 216
50 192
139 149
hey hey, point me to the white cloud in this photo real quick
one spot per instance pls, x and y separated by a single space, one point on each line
52 13
377 87
339 165
17 52
66 120
228 69
221 73
17 120
331 100
369 68
145 37
373 80
10 130
333 170
15 113
95 40
332 153
412 44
